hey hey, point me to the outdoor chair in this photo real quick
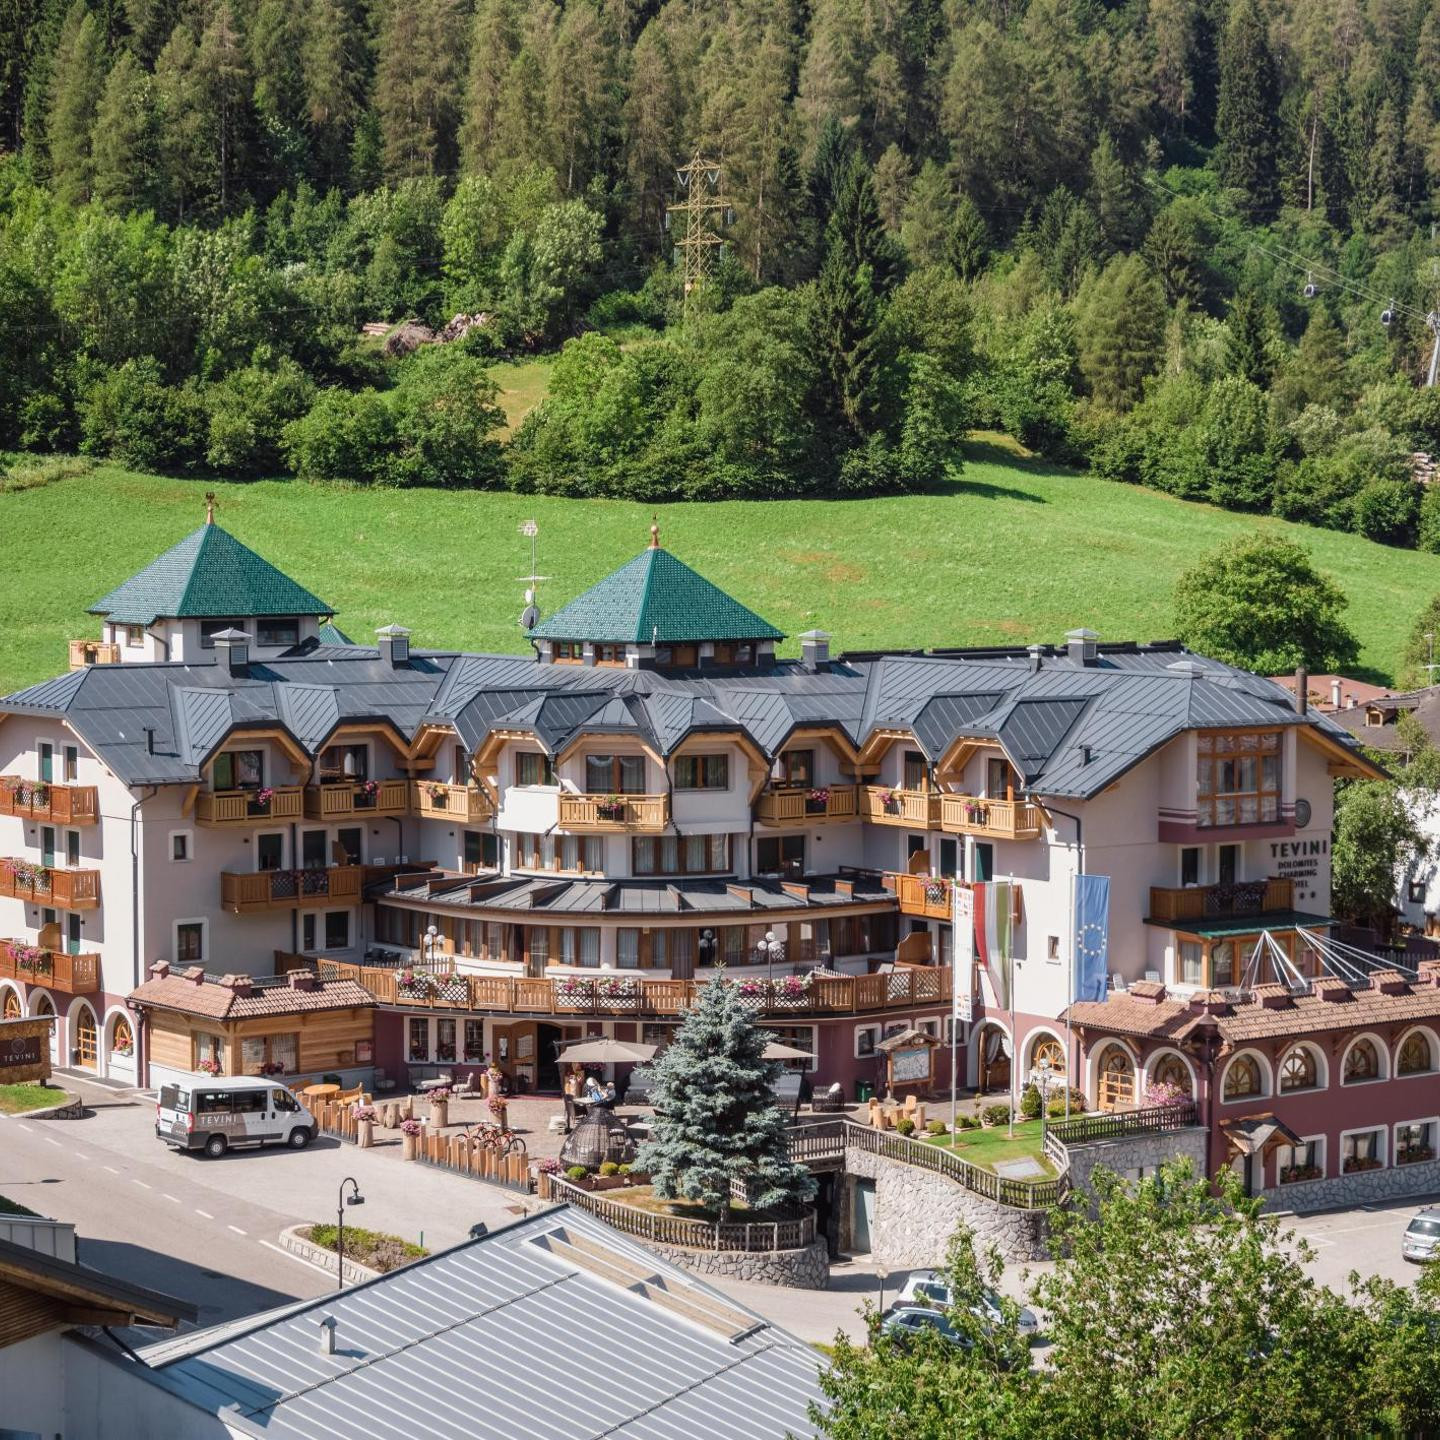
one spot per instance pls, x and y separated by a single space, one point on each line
443 1081
464 1087
832 1101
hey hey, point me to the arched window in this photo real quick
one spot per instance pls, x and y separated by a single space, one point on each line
1415 1055
1297 1070
1117 1079
1242 1078
12 1005
86 1038
1171 1070
1048 1049
1362 1062
122 1038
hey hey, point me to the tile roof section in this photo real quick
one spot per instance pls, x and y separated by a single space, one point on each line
518 1333
208 575
220 1002
655 598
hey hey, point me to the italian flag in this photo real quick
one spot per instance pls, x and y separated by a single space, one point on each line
994 919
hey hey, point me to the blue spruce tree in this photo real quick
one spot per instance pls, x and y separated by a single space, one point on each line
716 1119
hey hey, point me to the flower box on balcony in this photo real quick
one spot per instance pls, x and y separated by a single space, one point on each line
1294 1174
817 802
1356 1163
1414 1154
612 808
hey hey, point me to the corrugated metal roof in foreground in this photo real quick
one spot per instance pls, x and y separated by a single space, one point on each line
501 1337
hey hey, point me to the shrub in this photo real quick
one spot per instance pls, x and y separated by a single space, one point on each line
576 1173
935 1127
968 1122
995 1115
34 473
445 412
131 415
344 436
624 1169
1056 1109
249 410
905 1125
609 1168
1030 1102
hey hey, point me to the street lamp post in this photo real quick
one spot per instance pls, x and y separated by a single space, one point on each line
427 943
773 950
1043 1066
356 1198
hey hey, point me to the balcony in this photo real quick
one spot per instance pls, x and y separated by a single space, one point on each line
614 814
990 819
92 652
348 798
54 969
249 807
927 897
914 809
433 986
466 804
289 889
799 806
1169 906
44 885
54 804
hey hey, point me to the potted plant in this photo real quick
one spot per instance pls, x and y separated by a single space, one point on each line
498 1106
273 1067
258 802
32 959
889 802
410 1132
609 1177
439 1108
209 1067
365 1116
817 801
612 807
577 1175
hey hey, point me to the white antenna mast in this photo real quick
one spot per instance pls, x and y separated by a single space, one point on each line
530 616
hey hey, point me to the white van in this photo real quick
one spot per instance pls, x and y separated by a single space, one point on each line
214 1114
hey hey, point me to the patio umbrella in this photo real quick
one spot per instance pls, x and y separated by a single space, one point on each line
605 1051
776 1050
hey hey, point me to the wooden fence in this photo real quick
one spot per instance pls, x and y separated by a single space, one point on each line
1114 1124
749 1235
446 1150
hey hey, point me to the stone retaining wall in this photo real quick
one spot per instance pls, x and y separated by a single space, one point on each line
1361 1188
917 1211
807 1269
1133 1155
68 1106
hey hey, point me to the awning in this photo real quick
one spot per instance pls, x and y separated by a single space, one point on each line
776 1050
1254 1134
605 1051
1217 927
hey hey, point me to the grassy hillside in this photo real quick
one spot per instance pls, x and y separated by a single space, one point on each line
1017 550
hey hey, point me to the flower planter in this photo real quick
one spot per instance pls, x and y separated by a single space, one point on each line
439 1114
364 1133
606 1182
409 1146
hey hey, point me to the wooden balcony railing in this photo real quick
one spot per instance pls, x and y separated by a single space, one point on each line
1217 902
249 807
926 896
432 987
803 805
55 804
54 969
349 798
288 889
614 814
92 652
915 809
44 885
467 804
994 819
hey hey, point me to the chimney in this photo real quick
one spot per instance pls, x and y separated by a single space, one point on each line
1081 648
232 650
240 984
149 739
302 980
815 650
195 975
393 642
160 969
1302 690
327 1334
1036 654
1334 694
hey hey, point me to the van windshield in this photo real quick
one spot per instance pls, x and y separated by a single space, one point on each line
172 1097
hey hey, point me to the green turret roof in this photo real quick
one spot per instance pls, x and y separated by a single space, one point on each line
209 575
655 598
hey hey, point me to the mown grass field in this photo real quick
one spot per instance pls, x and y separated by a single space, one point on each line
1015 550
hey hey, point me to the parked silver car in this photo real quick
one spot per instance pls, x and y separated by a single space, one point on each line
1422 1235
928 1287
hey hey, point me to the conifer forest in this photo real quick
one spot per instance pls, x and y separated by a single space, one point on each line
1188 244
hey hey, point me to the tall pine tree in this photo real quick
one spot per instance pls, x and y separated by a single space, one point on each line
124 143
716 1119
79 79
1246 124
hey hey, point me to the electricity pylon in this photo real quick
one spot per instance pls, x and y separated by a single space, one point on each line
701 244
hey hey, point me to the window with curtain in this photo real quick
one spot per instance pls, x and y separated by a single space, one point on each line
344 762
1191 954
796 768
210 1047
1222 963
533 768
418 1039
474 1040
615 774
538 939
1238 779
680 854
702 772
239 770
445 1039
659 958
589 945
627 949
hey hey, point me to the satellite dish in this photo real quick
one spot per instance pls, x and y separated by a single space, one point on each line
529 617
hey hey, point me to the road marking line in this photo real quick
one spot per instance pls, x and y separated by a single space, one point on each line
299 1259
112 1169
173 1199
140 1183
205 1213
49 1140
80 1155
29 1128
236 1229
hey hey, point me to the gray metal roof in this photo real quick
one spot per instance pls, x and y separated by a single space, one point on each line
1070 729
511 1335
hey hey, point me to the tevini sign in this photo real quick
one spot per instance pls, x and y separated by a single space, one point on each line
25 1050
1299 860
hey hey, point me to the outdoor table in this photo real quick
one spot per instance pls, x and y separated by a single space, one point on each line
320 1092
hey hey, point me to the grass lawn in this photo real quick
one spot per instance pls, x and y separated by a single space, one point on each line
17 1099
985 1147
368 1247
522 388
1015 550
643 1197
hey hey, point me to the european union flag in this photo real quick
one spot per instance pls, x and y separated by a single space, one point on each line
1092 936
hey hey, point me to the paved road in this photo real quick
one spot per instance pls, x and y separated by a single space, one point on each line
208 1230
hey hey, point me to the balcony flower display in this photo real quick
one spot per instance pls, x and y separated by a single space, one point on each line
817 801
31 959
612 807
1414 1154
889 802
258 801
1293 1174
365 792
209 1067
27 794
414 984
25 876
937 892
1357 1163
788 989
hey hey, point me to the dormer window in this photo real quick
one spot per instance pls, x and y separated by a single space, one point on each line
239 770
615 774
533 768
569 652
279 634
339 763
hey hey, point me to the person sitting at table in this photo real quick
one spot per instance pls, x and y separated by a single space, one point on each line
593 1092
607 1098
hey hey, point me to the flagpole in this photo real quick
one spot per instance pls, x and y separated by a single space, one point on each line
1008 970
1069 1002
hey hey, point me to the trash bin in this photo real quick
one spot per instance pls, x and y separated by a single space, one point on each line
864 1091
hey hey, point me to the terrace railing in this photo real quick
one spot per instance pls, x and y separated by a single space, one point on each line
998 819
42 800
805 804
1116 1124
1240 897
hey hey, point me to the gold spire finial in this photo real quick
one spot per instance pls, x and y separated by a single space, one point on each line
209 507
655 535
